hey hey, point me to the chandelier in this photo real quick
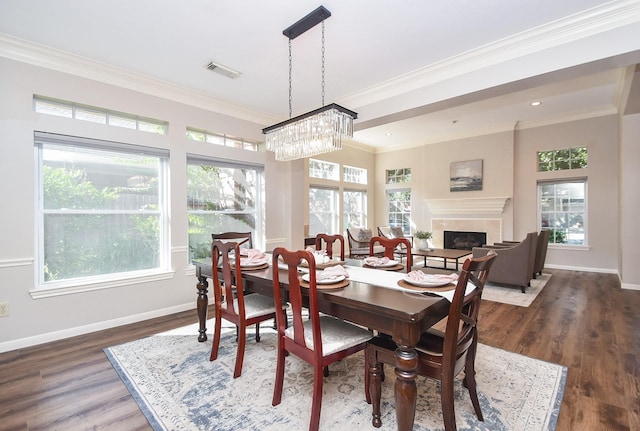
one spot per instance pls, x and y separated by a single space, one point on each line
318 131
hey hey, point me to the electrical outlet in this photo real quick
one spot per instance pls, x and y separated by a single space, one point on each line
4 309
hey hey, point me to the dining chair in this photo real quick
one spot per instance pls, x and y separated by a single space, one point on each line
328 241
391 246
441 356
244 239
320 339
232 304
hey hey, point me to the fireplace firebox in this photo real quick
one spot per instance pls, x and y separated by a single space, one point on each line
460 240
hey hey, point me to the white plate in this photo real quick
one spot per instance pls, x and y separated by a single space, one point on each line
338 279
429 282
245 264
386 265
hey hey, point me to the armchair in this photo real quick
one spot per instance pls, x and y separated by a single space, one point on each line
513 265
359 238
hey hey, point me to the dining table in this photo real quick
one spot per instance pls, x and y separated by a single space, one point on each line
373 299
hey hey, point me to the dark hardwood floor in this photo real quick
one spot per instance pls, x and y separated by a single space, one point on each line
581 320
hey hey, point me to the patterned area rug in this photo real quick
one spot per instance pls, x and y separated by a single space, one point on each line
513 295
178 388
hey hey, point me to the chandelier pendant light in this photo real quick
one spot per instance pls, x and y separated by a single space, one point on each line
318 131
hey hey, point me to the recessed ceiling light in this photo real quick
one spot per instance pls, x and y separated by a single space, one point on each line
536 103
388 134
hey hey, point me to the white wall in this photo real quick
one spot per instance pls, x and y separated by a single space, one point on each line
630 202
430 172
33 321
600 136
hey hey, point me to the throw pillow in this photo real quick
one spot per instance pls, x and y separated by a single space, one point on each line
365 235
396 232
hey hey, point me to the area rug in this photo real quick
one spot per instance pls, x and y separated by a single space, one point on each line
513 295
178 388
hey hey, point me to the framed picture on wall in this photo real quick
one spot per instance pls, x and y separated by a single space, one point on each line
465 176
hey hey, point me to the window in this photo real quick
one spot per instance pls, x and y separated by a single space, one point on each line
221 139
63 108
325 170
563 208
323 211
569 158
223 197
102 209
398 176
355 208
399 209
354 175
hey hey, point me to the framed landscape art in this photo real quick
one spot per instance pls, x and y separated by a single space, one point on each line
465 176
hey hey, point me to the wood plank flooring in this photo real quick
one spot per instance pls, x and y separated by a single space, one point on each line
581 320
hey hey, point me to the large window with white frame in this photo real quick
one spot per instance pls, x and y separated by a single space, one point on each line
355 208
102 210
399 209
324 210
562 208
223 196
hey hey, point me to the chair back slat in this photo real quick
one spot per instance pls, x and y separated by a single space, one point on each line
461 329
221 253
292 259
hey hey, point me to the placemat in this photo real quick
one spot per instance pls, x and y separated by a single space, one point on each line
254 268
396 267
447 287
332 286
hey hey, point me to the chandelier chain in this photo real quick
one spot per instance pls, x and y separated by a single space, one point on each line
290 79
322 63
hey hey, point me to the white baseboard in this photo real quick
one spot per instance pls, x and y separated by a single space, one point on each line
630 286
581 268
86 329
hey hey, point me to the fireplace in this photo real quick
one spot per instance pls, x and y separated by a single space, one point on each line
462 240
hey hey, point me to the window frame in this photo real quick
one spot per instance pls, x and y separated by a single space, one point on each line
258 211
335 213
85 283
406 220
583 214
363 204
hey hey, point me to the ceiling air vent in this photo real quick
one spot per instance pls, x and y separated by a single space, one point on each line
222 70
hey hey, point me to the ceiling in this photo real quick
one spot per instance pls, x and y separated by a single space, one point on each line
416 72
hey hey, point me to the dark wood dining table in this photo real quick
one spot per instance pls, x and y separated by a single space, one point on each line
403 315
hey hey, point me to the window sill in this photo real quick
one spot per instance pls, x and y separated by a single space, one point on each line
103 282
569 247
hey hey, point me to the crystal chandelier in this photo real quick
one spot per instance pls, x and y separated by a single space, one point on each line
318 131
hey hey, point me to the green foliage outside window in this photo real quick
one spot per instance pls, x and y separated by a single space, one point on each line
84 237
569 158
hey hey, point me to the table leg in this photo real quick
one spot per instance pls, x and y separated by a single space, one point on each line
425 261
202 305
405 388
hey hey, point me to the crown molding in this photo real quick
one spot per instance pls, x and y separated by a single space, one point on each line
476 206
596 20
62 61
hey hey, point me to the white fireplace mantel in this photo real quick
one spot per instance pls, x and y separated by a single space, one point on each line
476 206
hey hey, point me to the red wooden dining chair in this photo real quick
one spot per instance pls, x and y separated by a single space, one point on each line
328 241
319 340
441 356
232 304
391 246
